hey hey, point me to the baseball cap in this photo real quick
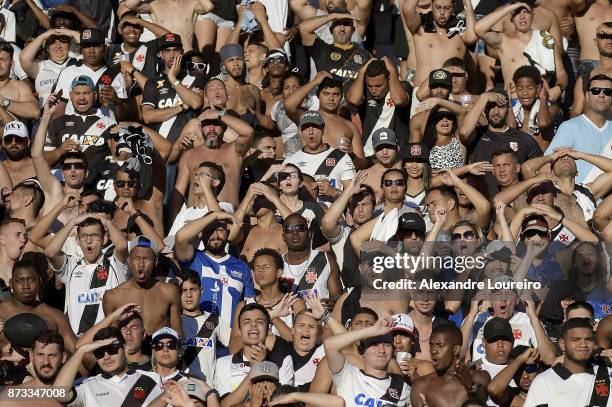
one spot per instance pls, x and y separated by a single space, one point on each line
440 77
366 343
92 36
311 117
21 329
164 332
411 221
141 241
82 80
498 328
169 40
403 323
384 137
534 222
277 52
230 51
16 128
416 152
264 371
545 187
194 390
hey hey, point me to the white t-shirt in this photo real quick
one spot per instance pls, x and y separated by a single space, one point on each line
48 72
321 164
557 387
101 391
521 328
77 276
201 334
360 389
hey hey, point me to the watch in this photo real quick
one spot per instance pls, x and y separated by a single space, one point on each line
5 103
221 113
176 83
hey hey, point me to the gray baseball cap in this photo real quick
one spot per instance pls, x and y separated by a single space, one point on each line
384 137
311 117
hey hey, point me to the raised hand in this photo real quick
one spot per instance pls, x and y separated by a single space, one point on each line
480 168
316 307
284 306
355 186
126 311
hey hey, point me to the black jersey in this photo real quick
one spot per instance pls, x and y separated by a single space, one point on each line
341 61
144 58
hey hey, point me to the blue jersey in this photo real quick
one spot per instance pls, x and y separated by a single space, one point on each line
225 282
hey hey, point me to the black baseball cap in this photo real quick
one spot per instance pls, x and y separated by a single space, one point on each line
21 329
498 328
169 40
92 36
411 221
416 152
440 77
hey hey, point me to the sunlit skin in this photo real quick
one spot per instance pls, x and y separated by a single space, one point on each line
93 55
329 99
15 238
305 333
386 155
464 247
190 297
522 20
378 86
91 240
442 12
47 359
402 343
6 62
253 327
342 34
141 262
113 364
364 209
505 170
414 169
82 98
497 116
394 193
166 357
133 333
503 303
290 85
234 67
168 54
128 189
578 345
58 49
601 103
215 92
440 92
497 352
527 91
74 177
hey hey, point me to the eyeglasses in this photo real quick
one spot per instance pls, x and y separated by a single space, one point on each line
11 138
299 228
93 236
171 345
597 91
130 184
459 74
467 235
399 182
196 65
531 233
604 36
276 60
73 166
284 175
111 349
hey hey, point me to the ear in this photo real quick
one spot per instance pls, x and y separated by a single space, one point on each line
457 350
562 344
451 204
28 201
518 168
216 183
64 357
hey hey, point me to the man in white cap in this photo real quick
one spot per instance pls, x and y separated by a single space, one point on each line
16 141
405 345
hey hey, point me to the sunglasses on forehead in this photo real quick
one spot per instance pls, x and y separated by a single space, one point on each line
299 228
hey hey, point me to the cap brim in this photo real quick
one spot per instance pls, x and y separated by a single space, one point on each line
385 144
539 228
403 330
499 337
14 134
163 336
264 379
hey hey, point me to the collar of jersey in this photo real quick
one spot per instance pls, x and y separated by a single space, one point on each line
117 378
220 260
373 377
565 374
344 46
326 148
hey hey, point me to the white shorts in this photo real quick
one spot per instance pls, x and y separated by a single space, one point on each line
221 22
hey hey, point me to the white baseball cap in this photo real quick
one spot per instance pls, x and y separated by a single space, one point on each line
16 128
403 323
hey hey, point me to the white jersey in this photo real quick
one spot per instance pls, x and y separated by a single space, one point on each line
521 328
338 243
306 366
311 274
185 216
48 72
199 348
360 389
558 387
139 387
332 164
86 285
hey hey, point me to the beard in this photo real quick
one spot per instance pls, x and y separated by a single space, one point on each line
16 155
46 379
213 143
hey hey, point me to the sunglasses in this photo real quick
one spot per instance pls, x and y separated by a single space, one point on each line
284 175
130 184
196 65
111 349
398 182
531 233
404 234
276 60
299 228
459 74
11 138
73 166
171 345
467 235
597 91
604 36
527 369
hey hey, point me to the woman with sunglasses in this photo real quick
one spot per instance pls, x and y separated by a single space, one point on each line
522 368
167 357
446 152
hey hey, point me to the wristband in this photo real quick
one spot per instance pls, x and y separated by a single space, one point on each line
326 317
211 391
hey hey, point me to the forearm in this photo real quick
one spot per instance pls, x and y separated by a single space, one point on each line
211 202
512 192
545 345
498 386
320 399
237 396
158 30
5 178
24 110
153 115
544 116
452 107
39 14
67 374
487 22
398 93
603 163
117 238
469 36
411 17
281 207
529 169
312 24
44 224
52 157
28 54
470 121
270 39
521 272
293 102
285 332
329 223
189 97
234 37
161 144
55 245
193 228
582 233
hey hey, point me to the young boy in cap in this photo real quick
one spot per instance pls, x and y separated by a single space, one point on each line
405 344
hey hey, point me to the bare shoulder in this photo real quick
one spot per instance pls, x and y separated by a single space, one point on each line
167 289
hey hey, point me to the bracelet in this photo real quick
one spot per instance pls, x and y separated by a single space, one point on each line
211 391
326 317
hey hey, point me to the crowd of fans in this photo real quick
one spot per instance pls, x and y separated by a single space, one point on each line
306 203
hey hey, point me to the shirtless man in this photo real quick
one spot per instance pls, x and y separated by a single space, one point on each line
254 59
240 95
159 302
339 132
604 66
13 239
360 9
586 25
212 127
25 284
386 153
16 141
453 382
261 201
546 52
435 39
176 16
16 98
